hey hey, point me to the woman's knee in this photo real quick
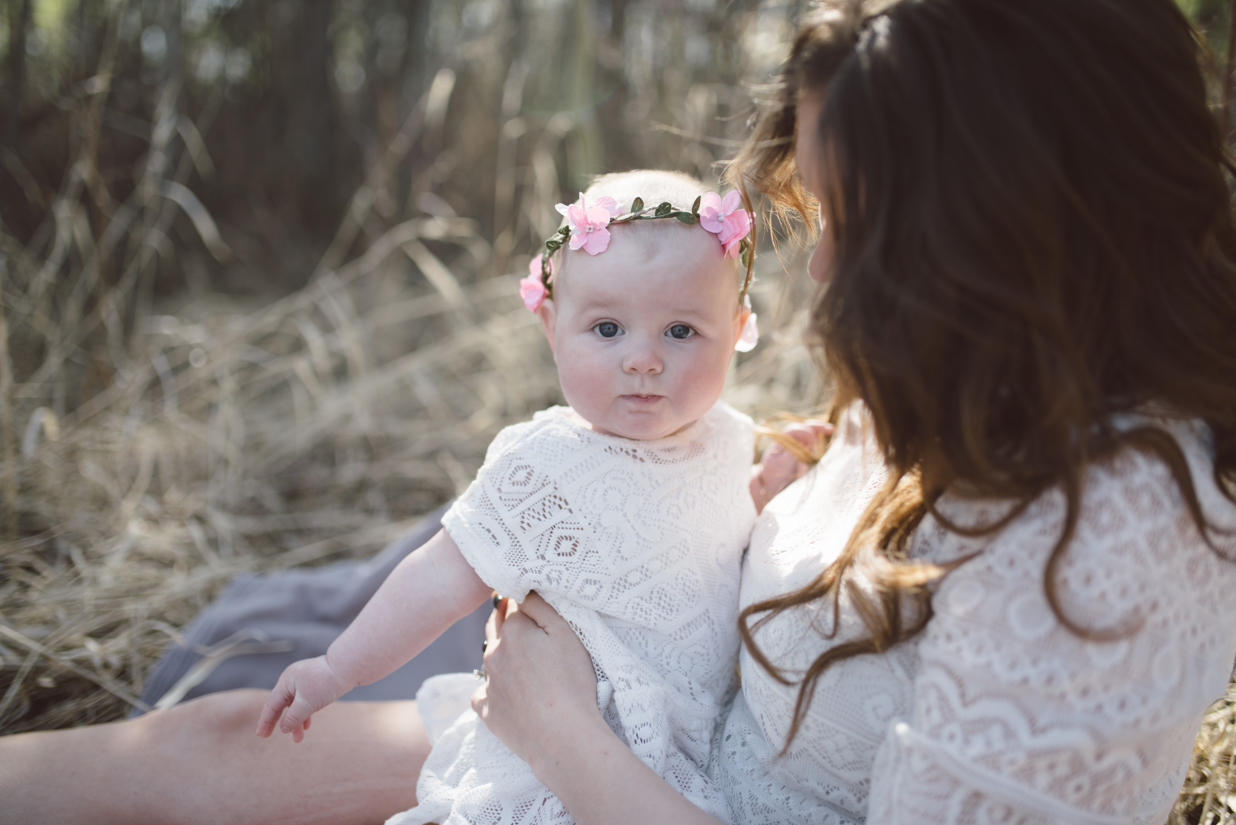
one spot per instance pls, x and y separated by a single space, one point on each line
219 714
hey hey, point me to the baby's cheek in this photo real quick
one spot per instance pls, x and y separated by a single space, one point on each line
708 377
582 383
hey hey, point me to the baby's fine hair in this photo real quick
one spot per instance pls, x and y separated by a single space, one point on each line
653 186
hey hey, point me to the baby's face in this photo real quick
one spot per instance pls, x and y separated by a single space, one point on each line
643 333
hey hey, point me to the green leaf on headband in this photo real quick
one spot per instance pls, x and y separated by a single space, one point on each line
553 245
686 217
746 254
663 209
637 205
695 207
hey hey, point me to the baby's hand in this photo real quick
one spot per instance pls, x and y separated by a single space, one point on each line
779 467
304 688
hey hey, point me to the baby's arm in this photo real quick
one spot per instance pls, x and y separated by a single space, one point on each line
779 467
428 592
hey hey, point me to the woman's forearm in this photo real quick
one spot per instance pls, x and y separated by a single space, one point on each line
602 782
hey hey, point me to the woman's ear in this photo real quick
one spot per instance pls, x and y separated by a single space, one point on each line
548 313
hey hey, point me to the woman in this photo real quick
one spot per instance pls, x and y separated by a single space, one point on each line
1004 593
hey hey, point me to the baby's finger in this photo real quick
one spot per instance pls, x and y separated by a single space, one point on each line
296 717
279 699
298 735
808 433
778 463
267 721
821 427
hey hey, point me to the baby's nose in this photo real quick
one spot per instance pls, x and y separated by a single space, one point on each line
642 358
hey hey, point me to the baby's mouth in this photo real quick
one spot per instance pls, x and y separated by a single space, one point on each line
642 399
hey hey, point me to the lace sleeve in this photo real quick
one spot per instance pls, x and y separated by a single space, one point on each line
1017 720
515 524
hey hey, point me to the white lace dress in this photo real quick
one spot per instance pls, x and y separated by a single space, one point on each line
638 544
996 713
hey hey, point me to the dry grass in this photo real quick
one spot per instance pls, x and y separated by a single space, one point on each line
316 427
155 444
216 435
1209 794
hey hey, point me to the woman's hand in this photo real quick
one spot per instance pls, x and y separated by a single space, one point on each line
779 467
541 686
540 699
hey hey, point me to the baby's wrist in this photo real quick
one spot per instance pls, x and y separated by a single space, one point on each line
339 671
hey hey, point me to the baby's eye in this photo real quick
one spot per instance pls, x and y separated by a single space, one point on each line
680 331
606 329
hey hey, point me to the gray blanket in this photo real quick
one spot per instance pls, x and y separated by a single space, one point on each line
262 623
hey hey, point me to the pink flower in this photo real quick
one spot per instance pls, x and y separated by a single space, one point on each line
726 219
588 222
608 204
531 289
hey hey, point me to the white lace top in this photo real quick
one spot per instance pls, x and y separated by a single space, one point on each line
996 713
638 544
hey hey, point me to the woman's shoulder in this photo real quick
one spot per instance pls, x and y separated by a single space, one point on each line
1130 500
1138 589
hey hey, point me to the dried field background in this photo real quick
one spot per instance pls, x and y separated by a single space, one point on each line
258 266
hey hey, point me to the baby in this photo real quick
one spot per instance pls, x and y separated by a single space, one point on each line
627 511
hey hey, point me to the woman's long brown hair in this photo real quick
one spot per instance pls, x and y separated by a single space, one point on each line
1034 235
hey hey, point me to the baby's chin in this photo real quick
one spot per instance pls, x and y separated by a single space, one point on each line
642 420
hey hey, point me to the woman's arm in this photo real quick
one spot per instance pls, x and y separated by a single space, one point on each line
424 595
540 699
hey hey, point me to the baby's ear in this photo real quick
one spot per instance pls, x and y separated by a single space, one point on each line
740 320
746 332
548 313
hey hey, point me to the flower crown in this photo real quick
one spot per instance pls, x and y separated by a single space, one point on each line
587 228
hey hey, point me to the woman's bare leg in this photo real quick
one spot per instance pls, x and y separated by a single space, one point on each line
202 762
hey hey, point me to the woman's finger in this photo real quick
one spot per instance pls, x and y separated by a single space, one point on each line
493 627
539 611
480 700
537 670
